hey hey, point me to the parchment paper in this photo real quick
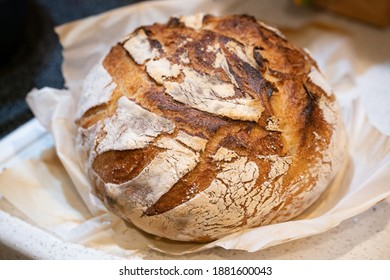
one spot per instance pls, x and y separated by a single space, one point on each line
55 194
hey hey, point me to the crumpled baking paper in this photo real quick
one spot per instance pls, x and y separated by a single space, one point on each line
56 195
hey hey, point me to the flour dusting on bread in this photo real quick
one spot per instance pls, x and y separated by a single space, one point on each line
206 126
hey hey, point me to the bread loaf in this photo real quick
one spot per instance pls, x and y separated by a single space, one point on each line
206 126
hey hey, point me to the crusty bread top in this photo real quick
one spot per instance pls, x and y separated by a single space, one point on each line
175 108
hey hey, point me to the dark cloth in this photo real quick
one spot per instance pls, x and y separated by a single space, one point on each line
30 53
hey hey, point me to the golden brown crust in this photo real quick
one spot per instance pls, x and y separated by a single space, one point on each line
284 135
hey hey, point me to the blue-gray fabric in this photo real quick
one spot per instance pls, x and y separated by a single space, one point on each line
30 53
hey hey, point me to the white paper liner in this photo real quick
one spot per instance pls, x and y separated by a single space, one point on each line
66 206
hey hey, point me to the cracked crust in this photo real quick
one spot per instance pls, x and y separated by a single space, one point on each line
206 125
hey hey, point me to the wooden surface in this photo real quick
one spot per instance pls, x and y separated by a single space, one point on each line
376 12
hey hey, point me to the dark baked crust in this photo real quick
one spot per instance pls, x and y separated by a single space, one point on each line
274 75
